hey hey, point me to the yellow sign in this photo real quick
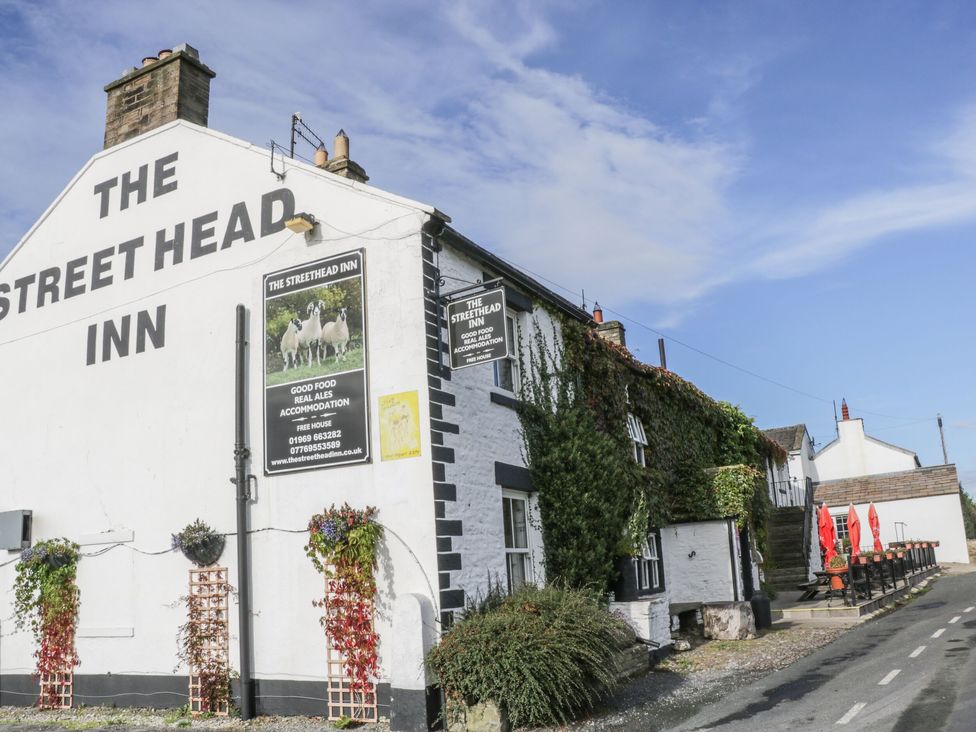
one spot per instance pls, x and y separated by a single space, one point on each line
399 426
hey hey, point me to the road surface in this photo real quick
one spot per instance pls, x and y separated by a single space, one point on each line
911 671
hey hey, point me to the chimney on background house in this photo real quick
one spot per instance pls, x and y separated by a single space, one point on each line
845 413
174 84
612 330
341 164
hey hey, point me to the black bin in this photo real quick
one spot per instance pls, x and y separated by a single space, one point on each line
761 611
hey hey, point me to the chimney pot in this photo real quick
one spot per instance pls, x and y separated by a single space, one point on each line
341 146
321 156
341 164
845 413
164 53
597 312
149 61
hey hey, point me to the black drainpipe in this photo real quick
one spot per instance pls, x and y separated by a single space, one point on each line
241 455
735 579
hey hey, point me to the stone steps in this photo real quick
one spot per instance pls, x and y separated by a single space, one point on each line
787 558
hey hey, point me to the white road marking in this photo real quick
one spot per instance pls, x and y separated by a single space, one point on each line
917 652
956 619
851 713
887 679
970 609
939 632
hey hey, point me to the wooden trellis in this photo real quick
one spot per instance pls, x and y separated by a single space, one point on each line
210 589
343 701
58 688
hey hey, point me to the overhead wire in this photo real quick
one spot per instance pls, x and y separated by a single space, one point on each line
702 352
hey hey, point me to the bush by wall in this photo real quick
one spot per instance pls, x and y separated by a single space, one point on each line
542 655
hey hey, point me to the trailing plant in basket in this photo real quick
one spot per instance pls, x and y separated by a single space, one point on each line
342 545
199 543
46 601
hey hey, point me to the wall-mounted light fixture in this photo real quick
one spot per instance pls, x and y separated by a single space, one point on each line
301 223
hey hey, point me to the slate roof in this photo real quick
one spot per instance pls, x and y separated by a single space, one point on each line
789 438
937 480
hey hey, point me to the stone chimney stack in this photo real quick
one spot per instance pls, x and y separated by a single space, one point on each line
172 85
341 164
613 331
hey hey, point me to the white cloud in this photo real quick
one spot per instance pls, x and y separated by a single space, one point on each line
448 104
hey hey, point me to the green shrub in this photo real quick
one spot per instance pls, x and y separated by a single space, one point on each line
542 655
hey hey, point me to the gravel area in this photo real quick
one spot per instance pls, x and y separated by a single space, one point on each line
24 719
682 684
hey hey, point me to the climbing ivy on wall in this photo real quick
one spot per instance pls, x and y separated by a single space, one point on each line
595 502
587 481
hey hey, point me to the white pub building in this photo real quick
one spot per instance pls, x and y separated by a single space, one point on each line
117 337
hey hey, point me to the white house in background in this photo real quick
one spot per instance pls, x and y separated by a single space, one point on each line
856 453
911 501
790 480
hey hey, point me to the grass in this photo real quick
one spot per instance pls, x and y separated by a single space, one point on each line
177 714
354 360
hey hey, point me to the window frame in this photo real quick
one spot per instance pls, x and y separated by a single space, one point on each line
649 564
840 527
638 438
509 530
511 326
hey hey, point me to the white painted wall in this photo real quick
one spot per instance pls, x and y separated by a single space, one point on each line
649 618
489 432
801 463
707 575
144 443
853 453
933 518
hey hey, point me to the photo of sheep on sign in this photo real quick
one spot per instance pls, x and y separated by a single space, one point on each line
316 395
314 332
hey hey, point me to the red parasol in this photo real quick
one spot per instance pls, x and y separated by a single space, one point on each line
875 528
854 530
828 535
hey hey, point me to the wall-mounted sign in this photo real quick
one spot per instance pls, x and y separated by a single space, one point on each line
476 331
316 405
399 426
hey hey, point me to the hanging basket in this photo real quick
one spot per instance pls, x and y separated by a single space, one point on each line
56 561
205 552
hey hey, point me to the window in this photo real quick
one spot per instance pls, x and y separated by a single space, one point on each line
840 523
518 563
636 431
506 369
649 566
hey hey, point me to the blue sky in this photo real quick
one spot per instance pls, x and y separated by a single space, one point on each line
790 187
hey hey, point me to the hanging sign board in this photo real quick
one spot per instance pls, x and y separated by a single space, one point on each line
316 405
476 328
